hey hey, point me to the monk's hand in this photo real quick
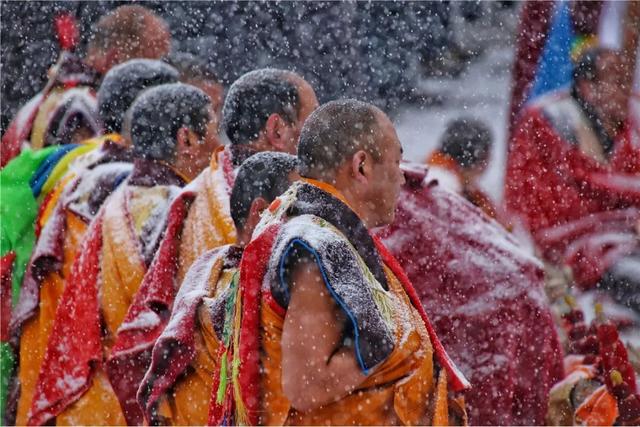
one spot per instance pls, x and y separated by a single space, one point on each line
316 368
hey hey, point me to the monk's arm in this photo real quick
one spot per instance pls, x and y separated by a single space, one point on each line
314 373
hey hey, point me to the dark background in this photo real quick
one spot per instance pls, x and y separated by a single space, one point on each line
371 51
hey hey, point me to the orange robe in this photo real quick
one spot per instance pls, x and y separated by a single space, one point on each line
393 341
188 402
36 328
179 393
35 332
73 385
208 224
401 390
203 223
129 216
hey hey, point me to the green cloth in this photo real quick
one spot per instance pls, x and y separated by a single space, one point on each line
18 213
6 366
19 210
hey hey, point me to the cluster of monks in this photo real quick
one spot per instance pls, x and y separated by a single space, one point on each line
176 255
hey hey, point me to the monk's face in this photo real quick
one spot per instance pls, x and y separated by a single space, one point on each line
387 175
308 102
193 152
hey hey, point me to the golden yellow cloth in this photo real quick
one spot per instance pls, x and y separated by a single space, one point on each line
129 215
188 401
208 224
35 332
401 390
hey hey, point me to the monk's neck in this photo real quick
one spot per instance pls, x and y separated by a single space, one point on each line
344 195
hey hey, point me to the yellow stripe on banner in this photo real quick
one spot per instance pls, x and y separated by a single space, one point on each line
53 201
63 165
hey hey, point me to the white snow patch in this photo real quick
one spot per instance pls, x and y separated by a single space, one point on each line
145 320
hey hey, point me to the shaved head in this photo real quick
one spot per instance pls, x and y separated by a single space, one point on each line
128 32
334 133
354 146
253 98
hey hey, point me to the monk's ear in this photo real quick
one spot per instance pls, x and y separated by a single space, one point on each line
257 207
361 166
182 138
276 130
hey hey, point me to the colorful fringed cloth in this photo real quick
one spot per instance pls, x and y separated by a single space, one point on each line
237 398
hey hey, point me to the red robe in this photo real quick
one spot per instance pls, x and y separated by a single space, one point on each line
485 297
77 345
201 209
579 204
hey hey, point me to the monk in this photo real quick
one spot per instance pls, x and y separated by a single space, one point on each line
461 160
66 216
483 290
572 177
331 331
127 32
265 110
178 386
73 385
485 294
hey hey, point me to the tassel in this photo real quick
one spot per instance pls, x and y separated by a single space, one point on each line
67 31
240 408
223 379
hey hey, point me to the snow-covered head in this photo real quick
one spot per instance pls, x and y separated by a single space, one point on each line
127 32
468 142
170 123
261 178
196 71
354 146
124 82
264 110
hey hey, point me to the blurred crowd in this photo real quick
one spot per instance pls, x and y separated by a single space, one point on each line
192 239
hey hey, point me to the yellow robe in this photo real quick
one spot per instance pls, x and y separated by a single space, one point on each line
188 402
208 224
35 332
122 269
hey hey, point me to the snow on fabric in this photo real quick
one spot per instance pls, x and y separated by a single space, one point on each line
75 344
346 276
306 199
18 131
95 186
558 174
175 347
484 294
147 315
